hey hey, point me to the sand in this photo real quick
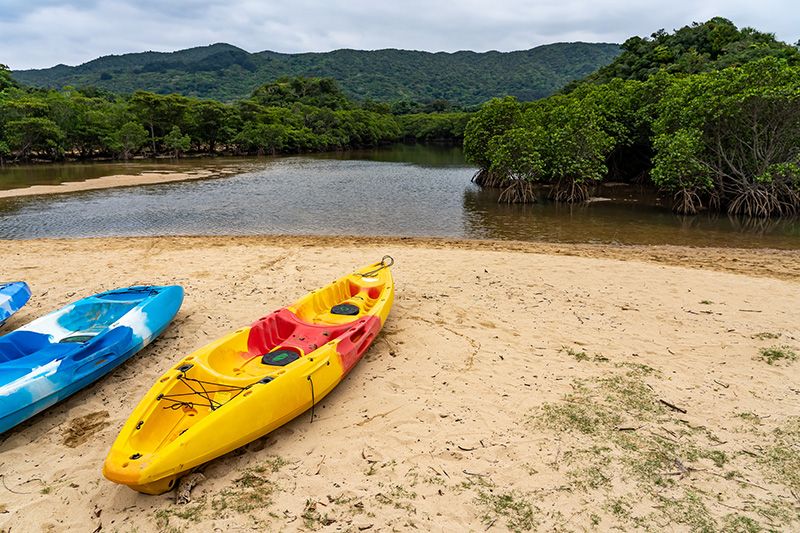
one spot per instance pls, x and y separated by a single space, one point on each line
114 181
514 386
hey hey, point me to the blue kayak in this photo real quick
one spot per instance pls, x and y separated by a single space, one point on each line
12 297
58 354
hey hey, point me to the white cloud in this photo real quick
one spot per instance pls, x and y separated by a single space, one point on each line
42 33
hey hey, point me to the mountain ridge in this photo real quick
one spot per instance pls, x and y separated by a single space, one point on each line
227 72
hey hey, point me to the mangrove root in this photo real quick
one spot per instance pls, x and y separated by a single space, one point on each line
686 202
490 179
569 191
519 192
758 200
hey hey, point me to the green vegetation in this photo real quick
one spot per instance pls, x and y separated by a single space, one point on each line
709 114
783 463
227 73
777 354
713 45
289 115
519 514
640 465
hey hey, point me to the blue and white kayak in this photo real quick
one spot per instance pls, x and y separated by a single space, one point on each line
58 354
12 297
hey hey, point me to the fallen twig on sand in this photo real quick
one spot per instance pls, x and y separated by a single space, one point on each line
3 480
672 406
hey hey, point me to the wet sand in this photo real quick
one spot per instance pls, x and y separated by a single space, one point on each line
114 181
514 386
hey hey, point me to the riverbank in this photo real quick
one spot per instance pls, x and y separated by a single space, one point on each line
520 385
114 181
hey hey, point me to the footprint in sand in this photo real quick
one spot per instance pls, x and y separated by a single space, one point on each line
81 429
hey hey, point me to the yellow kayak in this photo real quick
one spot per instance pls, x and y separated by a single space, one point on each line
250 382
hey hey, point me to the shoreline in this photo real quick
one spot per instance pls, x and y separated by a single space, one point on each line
757 262
117 181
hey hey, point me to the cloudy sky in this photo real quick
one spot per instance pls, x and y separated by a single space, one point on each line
42 33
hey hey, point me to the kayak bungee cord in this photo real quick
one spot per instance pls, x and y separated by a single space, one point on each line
313 401
204 393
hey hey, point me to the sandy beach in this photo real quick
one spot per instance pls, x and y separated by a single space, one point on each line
116 181
518 386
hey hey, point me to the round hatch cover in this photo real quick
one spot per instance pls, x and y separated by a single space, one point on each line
279 358
345 309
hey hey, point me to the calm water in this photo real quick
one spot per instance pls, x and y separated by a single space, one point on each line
403 190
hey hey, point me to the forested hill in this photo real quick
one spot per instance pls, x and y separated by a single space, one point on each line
225 72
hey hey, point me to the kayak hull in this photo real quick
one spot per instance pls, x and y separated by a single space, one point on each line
251 382
13 296
53 357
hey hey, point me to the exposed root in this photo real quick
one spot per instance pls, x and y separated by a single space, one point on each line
490 179
686 202
759 200
570 191
519 192
715 200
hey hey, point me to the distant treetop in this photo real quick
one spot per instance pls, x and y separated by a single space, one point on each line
699 47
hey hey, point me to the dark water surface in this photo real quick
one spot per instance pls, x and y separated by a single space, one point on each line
401 190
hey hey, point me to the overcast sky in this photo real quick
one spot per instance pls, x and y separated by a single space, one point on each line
43 33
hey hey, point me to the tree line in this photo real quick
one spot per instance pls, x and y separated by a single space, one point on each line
289 115
709 114
227 73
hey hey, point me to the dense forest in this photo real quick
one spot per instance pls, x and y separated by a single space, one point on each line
288 115
709 114
227 73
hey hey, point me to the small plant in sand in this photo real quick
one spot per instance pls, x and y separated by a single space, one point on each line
312 518
764 335
518 512
777 354
579 356
750 417
736 523
252 490
782 460
191 513
398 497
689 510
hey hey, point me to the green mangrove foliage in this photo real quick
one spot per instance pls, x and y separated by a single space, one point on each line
731 139
723 134
286 116
560 142
434 126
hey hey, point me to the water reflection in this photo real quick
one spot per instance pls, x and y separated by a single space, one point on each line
413 191
630 217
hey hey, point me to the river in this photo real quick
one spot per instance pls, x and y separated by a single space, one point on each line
398 191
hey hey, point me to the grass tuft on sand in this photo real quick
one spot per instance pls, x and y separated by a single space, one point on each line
641 463
777 354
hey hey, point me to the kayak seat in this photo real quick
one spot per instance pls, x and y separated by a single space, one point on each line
283 328
18 344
